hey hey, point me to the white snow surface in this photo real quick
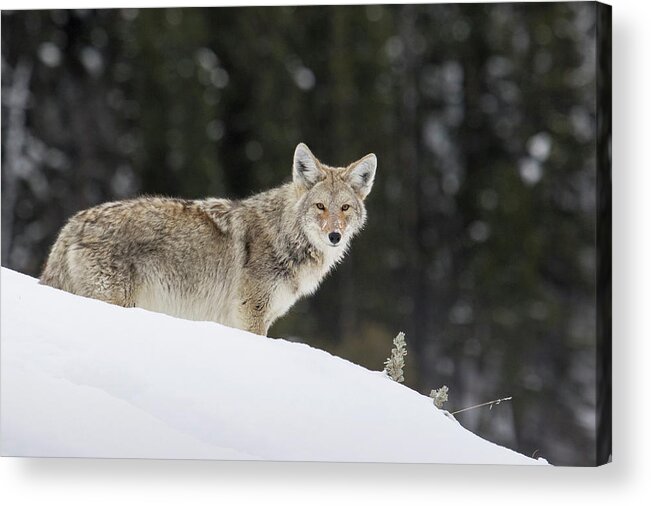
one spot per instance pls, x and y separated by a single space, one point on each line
82 378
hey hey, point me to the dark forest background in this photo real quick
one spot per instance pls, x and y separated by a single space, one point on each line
480 239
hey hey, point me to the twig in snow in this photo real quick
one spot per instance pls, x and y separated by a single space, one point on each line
439 396
490 403
394 364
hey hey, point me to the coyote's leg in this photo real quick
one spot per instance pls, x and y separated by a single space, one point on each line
114 288
107 279
254 319
254 309
258 327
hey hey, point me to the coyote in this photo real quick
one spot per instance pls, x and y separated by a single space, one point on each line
242 263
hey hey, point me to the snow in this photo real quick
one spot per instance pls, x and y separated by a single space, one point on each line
81 378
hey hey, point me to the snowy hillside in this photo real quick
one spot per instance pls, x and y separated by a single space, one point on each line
84 378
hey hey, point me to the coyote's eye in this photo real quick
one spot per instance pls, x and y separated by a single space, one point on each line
345 207
320 206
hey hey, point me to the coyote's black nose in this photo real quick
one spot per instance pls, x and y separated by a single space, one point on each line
334 237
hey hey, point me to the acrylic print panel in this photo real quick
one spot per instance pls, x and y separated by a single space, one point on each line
256 327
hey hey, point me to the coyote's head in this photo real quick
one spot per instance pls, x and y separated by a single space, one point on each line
332 204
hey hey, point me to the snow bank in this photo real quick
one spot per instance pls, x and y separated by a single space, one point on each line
84 378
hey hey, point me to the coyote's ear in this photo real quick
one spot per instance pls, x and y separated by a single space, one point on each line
361 174
306 169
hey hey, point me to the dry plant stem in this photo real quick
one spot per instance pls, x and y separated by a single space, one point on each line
490 403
